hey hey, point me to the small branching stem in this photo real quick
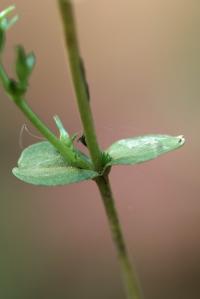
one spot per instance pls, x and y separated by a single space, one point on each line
42 128
130 281
46 132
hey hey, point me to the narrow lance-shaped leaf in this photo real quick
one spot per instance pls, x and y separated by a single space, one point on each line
41 164
6 12
64 136
143 148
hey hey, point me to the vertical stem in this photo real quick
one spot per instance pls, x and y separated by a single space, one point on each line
130 279
82 97
103 184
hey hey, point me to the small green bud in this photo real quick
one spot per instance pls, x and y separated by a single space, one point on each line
30 61
24 65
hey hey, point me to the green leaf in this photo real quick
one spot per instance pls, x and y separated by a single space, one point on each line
143 148
41 164
24 64
30 61
64 136
5 22
6 12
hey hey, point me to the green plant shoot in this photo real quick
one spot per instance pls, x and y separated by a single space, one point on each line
57 161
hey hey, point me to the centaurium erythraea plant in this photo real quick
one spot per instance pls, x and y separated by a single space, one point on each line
57 160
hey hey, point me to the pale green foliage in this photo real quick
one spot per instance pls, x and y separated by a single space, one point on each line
59 162
5 12
41 164
143 148
64 136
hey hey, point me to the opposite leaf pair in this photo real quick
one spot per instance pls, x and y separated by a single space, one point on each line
41 164
58 162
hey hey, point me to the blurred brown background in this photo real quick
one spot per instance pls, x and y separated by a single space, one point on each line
143 64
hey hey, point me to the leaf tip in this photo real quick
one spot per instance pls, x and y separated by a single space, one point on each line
181 139
7 11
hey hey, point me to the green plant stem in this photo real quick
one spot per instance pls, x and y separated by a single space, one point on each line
67 153
66 11
46 132
130 279
103 184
